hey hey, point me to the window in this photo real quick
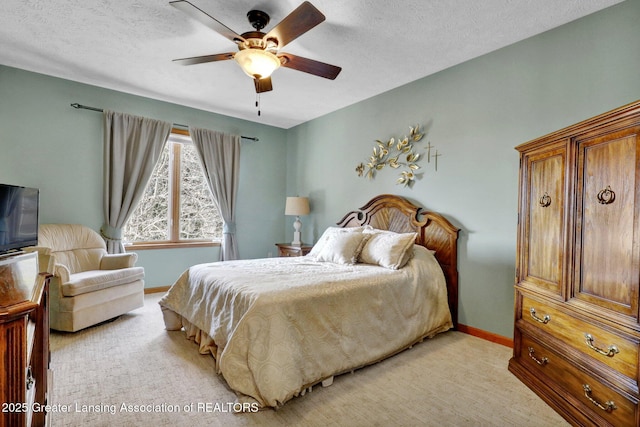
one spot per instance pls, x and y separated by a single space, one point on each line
176 208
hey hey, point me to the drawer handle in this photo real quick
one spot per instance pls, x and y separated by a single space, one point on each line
610 352
540 362
608 406
544 320
30 379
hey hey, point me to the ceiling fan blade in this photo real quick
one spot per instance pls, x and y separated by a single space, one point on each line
206 19
310 66
263 85
203 59
298 22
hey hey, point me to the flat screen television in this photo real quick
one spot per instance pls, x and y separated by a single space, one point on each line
18 217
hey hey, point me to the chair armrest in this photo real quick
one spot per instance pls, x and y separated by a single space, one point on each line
117 261
62 272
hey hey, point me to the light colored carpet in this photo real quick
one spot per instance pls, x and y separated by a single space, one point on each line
453 379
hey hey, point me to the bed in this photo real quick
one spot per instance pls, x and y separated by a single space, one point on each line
277 326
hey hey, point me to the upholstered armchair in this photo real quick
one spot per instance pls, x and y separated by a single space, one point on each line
89 285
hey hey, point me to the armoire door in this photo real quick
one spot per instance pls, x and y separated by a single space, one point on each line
607 222
542 240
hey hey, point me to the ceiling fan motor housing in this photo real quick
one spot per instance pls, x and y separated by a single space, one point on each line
258 19
256 39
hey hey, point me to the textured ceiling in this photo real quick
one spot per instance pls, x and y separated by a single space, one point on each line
128 45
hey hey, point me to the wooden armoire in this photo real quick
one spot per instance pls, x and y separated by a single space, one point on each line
25 378
577 325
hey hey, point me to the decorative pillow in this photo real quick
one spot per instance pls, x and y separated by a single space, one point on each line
317 248
387 249
342 248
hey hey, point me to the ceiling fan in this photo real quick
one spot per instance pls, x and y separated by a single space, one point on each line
259 53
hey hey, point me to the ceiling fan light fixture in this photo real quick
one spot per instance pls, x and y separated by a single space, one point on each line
257 63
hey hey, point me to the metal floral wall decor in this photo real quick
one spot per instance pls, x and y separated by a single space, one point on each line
398 154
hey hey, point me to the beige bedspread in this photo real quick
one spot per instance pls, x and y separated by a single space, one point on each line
278 325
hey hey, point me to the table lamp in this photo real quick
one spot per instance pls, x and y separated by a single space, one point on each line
297 206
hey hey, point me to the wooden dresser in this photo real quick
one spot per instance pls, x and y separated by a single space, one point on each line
577 330
24 341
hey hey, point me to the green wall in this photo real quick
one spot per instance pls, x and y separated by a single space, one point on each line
475 114
47 144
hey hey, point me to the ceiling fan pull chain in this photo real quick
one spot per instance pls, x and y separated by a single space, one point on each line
258 103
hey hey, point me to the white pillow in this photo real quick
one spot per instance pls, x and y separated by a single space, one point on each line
317 248
387 249
342 248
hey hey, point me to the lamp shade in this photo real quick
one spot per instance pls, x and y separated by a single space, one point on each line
297 206
257 63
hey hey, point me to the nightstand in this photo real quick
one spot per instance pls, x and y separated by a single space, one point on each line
287 249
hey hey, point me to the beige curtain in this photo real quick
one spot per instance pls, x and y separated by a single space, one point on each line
220 157
132 147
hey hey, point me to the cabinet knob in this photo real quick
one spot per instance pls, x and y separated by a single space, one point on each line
545 200
606 196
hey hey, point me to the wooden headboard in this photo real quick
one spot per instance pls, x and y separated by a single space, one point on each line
435 232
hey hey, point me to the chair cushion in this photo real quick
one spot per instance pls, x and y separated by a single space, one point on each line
93 280
80 259
76 246
67 237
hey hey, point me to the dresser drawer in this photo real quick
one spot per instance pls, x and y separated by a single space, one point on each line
614 350
578 386
288 250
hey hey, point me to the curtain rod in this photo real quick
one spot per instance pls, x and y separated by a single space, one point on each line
100 110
